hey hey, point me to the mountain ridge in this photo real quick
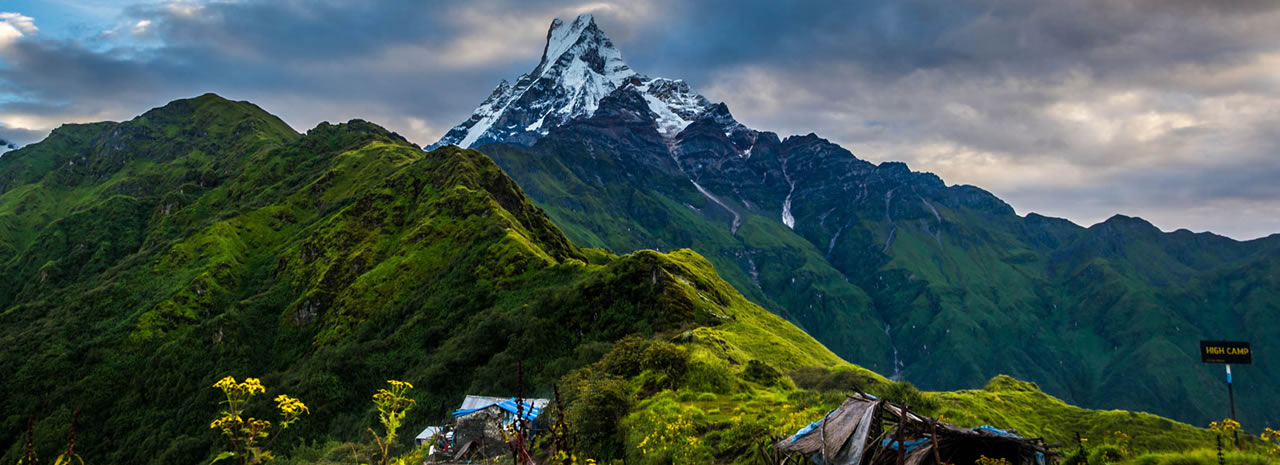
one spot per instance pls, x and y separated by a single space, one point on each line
896 270
322 263
328 261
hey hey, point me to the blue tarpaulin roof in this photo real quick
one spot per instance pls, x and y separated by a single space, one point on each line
527 410
998 431
910 445
806 430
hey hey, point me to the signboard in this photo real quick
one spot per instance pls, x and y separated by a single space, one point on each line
1232 352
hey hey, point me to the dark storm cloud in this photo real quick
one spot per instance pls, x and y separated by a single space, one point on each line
63 71
1156 108
885 36
904 36
1076 109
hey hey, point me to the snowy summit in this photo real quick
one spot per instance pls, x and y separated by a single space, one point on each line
579 67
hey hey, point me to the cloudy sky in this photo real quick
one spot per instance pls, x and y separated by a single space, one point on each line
1164 109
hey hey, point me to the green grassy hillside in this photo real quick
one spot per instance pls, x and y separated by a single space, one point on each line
149 258
944 286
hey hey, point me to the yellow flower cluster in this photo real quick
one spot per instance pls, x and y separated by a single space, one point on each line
984 460
1272 438
1270 435
250 386
1119 438
225 383
790 422
399 384
391 399
1227 425
290 406
572 459
225 422
243 435
675 436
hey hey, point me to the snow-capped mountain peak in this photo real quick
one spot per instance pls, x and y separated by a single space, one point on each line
579 66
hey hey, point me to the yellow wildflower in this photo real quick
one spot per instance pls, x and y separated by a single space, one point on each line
225 383
290 406
1226 425
399 384
252 385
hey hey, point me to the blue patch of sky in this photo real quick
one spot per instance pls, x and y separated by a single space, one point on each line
97 25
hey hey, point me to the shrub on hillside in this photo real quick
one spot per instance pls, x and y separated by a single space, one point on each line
904 393
596 403
1201 457
1077 457
626 360
666 359
824 380
762 373
1106 453
663 364
705 377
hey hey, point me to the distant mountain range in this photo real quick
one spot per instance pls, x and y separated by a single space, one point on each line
942 285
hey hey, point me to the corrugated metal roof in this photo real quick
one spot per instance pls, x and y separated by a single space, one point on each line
475 402
427 433
528 408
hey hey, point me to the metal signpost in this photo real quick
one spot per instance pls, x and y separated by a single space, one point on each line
1227 352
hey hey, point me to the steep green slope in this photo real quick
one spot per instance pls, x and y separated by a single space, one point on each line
168 256
603 201
322 263
205 239
941 285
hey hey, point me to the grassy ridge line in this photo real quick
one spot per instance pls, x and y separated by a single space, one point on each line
431 265
598 200
329 262
1106 316
1010 403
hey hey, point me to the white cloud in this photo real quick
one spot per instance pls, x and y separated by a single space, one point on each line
14 26
420 131
495 36
44 123
183 8
140 27
25 24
